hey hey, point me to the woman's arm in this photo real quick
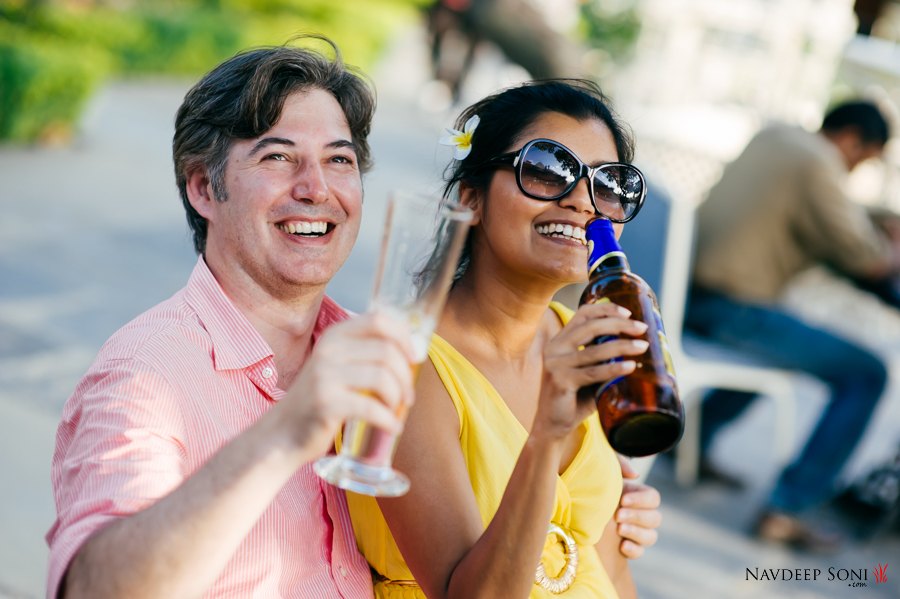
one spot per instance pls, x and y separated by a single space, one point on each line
437 525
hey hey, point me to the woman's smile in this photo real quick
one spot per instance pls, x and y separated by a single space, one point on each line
563 231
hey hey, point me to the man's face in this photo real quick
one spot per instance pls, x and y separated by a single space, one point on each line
294 202
854 149
866 151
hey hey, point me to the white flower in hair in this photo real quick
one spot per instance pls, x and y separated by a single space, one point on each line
461 140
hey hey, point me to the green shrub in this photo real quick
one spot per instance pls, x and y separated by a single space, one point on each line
614 28
100 29
44 84
185 42
52 57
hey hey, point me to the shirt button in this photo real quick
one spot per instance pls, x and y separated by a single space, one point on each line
267 372
343 571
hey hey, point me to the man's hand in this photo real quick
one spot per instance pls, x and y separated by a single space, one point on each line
359 368
638 515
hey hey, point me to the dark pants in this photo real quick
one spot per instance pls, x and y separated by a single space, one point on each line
855 377
887 289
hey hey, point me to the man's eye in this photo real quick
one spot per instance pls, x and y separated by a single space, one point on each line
277 157
344 159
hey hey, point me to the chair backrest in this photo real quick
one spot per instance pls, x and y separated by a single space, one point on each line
659 245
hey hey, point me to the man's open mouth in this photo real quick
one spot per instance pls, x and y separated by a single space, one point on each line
306 228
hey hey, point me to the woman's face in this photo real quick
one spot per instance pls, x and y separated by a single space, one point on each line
521 233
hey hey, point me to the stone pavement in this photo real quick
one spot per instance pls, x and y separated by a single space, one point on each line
94 233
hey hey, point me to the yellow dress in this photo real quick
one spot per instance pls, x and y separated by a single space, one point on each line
587 492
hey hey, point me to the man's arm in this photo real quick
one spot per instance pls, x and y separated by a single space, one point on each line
179 545
888 222
837 229
616 564
638 514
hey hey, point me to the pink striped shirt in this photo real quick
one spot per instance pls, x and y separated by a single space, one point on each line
165 392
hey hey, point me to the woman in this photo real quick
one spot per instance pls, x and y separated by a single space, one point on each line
497 447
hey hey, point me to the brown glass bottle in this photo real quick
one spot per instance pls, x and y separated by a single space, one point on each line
640 413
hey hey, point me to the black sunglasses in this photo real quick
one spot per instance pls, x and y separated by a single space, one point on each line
548 170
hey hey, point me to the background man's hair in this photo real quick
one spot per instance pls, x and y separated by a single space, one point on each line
863 116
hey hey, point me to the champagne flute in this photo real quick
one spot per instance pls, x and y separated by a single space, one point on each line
423 239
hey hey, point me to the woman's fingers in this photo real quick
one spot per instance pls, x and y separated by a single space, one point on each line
589 312
588 375
609 350
583 332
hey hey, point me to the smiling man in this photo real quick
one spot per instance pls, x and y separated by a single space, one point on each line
183 459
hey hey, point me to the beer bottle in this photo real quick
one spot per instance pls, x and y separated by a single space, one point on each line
640 412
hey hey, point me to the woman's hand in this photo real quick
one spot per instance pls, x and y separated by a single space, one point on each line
572 361
638 515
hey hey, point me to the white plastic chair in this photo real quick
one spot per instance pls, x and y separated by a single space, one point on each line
668 225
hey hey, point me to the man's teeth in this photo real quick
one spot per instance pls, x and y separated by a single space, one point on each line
563 231
305 228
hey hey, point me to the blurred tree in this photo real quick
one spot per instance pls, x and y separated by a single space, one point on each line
45 45
524 35
611 26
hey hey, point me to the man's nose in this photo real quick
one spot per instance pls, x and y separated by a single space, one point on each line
311 185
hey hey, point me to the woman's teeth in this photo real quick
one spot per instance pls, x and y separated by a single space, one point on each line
316 228
562 231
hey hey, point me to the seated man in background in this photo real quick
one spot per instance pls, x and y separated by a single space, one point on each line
778 209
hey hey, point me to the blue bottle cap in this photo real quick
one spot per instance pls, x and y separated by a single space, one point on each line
601 241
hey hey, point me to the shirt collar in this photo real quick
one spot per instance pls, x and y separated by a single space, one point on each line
236 342
329 313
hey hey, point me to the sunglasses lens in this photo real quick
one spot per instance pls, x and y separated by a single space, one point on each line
618 191
547 170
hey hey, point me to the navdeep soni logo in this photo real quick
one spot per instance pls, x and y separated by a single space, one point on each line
852 577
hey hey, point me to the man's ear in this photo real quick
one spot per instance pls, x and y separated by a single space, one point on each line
200 192
473 199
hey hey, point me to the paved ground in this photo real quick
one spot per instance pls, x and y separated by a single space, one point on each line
94 233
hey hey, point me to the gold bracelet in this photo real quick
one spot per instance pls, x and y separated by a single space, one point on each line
561 583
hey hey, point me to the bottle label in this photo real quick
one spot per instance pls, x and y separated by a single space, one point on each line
663 342
593 263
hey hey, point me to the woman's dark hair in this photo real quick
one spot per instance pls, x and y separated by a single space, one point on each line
505 114
243 97
862 116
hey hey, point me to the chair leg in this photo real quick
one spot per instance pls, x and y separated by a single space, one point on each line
785 423
687 456
642 466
